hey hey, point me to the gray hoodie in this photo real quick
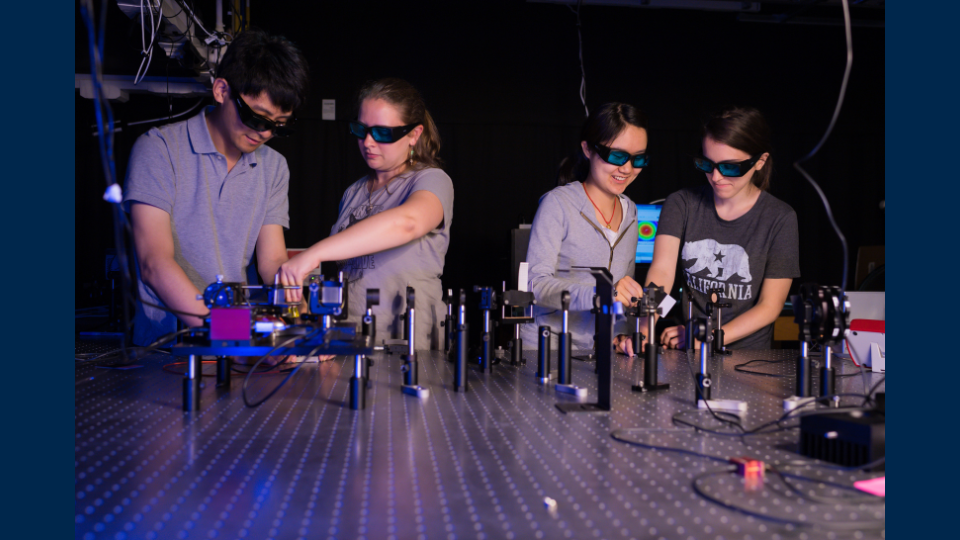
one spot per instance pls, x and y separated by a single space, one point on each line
566 234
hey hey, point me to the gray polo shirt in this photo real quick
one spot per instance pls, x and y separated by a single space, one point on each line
215 215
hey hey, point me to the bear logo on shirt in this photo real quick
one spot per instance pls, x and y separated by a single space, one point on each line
722 260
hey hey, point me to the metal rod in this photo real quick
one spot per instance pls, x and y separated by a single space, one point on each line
192 366
689 341
650 363
358 389
411 331
543 354
460 382
223 371
804 374
703 357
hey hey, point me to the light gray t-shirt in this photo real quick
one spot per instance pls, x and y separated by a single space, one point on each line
215 215
418 263
735 256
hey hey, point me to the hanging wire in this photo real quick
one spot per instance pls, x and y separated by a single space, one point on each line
833 121
583 73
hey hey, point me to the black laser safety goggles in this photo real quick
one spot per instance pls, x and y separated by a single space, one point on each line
619 157
381 134
258 123
734 170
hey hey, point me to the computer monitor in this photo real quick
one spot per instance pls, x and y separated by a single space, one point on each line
648 215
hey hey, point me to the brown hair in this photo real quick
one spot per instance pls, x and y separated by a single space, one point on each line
413 110
745 129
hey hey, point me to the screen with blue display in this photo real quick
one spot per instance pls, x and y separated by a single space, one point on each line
648 215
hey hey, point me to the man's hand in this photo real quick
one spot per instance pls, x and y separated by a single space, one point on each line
627 288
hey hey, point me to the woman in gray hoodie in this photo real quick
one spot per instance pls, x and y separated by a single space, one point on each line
588 221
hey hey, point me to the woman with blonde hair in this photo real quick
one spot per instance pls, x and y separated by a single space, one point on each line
393 228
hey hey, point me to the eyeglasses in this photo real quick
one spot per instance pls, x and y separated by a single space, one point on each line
619 157
258 123
726 169
381 134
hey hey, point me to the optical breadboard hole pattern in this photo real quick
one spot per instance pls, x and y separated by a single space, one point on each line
477 464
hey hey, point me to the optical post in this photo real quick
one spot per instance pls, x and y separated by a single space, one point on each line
704 332
488 302
604 312
516 308
716 304
543 354
565 376
361 375
410 367
822 313
649 307
449 328
460 382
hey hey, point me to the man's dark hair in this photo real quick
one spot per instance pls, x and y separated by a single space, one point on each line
256 62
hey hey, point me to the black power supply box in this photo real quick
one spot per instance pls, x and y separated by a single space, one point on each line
849 438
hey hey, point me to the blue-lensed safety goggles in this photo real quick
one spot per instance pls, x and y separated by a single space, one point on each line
735 170
381 134
619 157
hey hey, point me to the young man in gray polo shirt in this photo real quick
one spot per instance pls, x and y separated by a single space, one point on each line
204 193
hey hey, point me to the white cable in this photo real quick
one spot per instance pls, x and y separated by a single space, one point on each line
183 4
583 74
153 33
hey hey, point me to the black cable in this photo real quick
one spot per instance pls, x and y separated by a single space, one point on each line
616 435
246 380
162 340
862 499
739 366
873 389
759 430
175 14
843 525
701 397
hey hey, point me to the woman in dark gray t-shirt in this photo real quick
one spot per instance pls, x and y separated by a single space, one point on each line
730 235
394 223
